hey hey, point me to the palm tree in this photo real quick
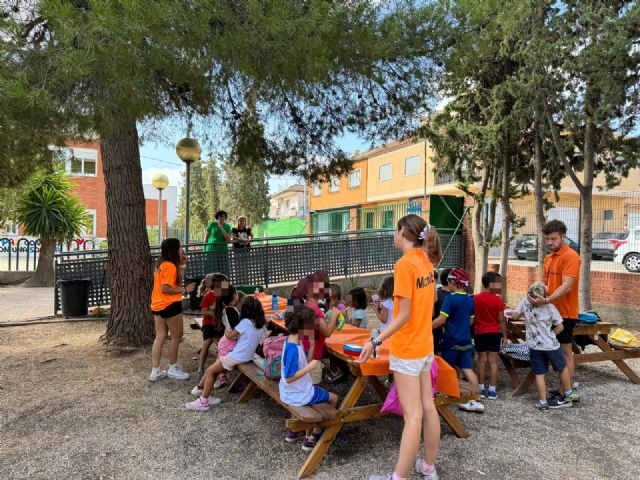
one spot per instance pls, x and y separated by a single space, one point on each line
49 209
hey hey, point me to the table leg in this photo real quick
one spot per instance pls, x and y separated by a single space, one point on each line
320 450
248 393
453 422
513 375
237 384
524 385
622 365
378 386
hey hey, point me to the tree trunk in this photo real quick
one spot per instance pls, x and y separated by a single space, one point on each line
538 162
479 232
506 223
43 276
129 260
586 219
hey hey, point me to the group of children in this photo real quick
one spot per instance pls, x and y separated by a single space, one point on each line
464 323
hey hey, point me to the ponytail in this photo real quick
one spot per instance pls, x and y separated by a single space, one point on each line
431 245
423 235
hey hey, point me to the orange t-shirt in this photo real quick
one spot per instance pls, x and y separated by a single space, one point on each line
413 278
565 262
165 274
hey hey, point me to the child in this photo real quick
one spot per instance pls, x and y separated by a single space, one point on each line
542 324
228 318
210 288
248 334
166 306
490 330
383 305
442 292
295 386
457 350
337 368
357 299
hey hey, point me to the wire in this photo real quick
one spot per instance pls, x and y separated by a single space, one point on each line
158 160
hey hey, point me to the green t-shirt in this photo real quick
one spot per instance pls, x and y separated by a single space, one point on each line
216 242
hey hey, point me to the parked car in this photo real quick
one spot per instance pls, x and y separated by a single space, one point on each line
627 251
604 243
526 246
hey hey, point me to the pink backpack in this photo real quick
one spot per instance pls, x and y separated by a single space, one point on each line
272 348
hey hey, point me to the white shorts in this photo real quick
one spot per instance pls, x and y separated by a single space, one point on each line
410 367
228 363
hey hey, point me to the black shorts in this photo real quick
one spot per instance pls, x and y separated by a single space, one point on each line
487 342
566 335
171 311
210 332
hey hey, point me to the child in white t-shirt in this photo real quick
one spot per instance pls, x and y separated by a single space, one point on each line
383 303
296 387
248 333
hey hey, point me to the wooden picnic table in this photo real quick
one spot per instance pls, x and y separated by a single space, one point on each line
595 332
451 391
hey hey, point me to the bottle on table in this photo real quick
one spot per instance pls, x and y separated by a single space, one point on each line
274 302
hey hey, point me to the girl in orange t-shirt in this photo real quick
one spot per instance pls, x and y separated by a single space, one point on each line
411 351
166 306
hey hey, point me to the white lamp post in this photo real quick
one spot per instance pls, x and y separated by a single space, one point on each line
188 150
160 181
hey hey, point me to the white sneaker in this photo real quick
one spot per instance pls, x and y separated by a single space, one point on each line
196 391
472 406
214 400
157 375
197 405
176 373
221 381
428 476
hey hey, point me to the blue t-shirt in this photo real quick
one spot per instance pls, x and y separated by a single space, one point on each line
360 314
300 392
458 308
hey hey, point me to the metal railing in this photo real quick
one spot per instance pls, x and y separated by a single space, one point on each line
267 261
21 254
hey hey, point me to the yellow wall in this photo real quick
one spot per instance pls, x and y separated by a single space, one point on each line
345 196
399 185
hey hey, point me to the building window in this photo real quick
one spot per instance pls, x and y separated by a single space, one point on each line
384 172
79 162
608 214
90 224
412 165
354 179
388 219
317 189
368 220
334 184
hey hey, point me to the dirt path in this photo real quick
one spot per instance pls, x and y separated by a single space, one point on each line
68 409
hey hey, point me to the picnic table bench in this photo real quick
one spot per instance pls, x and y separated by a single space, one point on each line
595 332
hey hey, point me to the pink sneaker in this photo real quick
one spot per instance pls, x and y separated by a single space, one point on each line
221 381
198 405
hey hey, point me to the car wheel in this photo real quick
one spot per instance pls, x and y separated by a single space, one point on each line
632 262
520 258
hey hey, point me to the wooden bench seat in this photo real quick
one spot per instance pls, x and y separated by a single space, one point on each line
255 376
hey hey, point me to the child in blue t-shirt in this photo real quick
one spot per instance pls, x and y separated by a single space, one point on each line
457 315
296 387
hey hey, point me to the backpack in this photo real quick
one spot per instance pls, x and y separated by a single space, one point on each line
272 348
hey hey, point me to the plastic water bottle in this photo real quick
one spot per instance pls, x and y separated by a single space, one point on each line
274 302
257 292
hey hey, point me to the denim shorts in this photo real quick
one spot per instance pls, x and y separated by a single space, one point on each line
540 361
458 358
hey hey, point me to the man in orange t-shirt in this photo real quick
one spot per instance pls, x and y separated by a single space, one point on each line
560 273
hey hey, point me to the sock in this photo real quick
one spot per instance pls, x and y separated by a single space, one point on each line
492 388
568 392
155 370
173 365
543 402
426 468
395 476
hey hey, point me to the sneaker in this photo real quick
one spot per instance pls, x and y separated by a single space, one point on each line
197 405
176 373
333 377
213 401
575 385
542 406
199 375
157 375
387 384
572 397
472 406
433 475
483 393
308 444
196 391
294 436
558 402
221 381
492 395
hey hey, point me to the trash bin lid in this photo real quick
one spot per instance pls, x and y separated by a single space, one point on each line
74 281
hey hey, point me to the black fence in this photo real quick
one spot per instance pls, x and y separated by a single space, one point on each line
267 262
21 254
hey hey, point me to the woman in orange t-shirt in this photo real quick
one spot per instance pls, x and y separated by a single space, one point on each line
166 306
411 351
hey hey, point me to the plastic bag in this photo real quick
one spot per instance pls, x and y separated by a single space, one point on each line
392 402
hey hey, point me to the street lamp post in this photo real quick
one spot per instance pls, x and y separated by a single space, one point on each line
160 181
188 150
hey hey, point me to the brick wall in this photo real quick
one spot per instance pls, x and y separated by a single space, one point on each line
90 190
151 207
607 288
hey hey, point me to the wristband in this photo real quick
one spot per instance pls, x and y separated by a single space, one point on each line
375 346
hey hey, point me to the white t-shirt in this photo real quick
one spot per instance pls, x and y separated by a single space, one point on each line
539 323
301 391
248 341
388 304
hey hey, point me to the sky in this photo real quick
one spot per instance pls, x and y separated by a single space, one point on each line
161 157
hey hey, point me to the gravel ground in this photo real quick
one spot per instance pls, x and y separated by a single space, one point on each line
70 409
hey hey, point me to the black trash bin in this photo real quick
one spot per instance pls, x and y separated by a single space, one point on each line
194 299
74 297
